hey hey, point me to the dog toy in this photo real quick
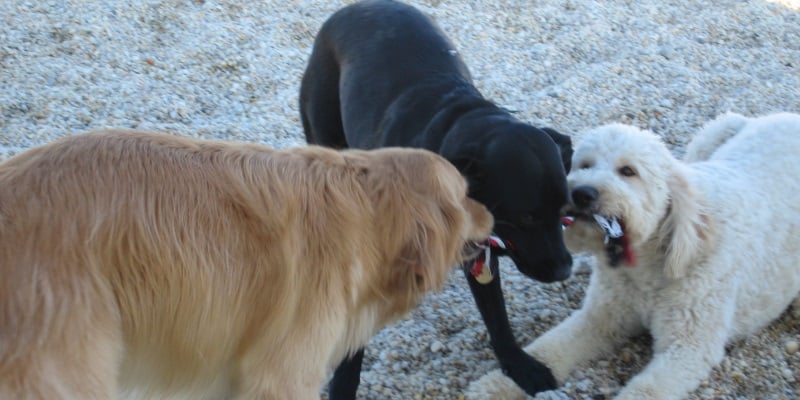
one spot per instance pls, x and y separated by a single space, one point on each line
617 245
610 227
480 270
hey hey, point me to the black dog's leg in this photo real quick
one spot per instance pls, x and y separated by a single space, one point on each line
344 384
530 374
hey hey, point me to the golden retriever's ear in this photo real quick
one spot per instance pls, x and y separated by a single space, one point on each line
426 262
437 242
440 222
686 231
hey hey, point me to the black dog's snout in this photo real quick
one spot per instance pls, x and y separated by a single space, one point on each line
584 196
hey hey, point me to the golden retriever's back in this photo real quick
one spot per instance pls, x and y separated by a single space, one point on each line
156 258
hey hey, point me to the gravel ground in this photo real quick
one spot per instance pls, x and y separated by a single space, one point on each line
231 70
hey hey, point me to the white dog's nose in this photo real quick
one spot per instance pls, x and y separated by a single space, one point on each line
584 196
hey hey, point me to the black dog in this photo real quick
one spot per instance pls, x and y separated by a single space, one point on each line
383 74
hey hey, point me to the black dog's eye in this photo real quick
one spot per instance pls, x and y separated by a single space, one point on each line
627 171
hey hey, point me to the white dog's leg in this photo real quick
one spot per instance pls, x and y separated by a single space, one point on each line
605 320
602 324
687 345
672 374
587 334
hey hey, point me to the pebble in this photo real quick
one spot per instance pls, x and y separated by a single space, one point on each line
792 346
788 374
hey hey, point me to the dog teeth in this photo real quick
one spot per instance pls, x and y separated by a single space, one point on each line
610 226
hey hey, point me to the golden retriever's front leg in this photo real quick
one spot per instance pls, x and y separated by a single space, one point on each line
287 383
286 367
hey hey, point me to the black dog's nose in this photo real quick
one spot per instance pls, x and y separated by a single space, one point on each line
584 196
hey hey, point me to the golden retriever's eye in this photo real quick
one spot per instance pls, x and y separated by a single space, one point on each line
627 171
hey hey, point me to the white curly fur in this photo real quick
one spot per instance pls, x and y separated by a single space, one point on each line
716 239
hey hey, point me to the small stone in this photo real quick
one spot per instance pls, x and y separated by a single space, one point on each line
792 347
666 52
627 357
437 346
707 393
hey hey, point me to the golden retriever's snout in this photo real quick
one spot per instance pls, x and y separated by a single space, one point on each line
478 228
480 221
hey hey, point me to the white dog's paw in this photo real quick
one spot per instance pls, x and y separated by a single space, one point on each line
495 386
639 393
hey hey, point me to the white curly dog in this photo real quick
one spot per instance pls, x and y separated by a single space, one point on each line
698 253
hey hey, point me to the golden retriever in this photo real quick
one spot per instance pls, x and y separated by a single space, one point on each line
137 264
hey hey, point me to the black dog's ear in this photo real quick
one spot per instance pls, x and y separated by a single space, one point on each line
470 168
564 144
467 160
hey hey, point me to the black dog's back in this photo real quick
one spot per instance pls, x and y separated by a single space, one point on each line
385 59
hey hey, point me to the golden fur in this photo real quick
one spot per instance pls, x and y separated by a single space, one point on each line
136 264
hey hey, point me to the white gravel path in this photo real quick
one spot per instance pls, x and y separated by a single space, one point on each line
231 70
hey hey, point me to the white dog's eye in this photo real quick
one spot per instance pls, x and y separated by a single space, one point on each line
627 171
585 165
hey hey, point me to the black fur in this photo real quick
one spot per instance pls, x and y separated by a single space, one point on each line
383 74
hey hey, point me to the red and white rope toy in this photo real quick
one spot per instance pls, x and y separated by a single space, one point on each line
618 247
481 269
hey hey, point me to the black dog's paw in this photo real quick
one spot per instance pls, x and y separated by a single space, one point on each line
530 374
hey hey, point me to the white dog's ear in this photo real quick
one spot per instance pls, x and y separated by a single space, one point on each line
686 230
